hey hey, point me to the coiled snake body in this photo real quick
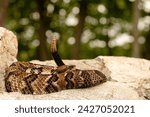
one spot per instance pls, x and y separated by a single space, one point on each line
29 78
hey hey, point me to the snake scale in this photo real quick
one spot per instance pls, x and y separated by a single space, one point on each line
30 78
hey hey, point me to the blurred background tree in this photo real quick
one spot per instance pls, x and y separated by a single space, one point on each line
84 28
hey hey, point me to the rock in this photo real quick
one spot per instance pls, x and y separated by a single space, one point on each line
128 78
8 51
134 73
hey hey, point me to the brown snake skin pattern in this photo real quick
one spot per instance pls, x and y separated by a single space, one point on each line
29 78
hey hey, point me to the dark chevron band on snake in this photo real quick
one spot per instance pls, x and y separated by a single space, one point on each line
29 78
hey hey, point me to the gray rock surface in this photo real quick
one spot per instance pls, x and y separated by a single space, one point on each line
128 78
8 50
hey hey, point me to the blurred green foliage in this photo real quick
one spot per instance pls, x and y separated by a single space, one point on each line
105 22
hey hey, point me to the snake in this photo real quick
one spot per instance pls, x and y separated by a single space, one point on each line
31 78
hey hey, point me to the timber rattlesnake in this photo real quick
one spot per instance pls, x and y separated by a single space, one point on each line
29 78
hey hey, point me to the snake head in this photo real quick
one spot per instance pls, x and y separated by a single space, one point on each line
88 78
77 78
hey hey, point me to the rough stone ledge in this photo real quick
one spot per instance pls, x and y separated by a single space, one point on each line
129 79
8 51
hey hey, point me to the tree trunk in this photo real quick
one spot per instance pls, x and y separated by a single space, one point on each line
43 51
3 11
79 28
136 15
147 46
109 50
